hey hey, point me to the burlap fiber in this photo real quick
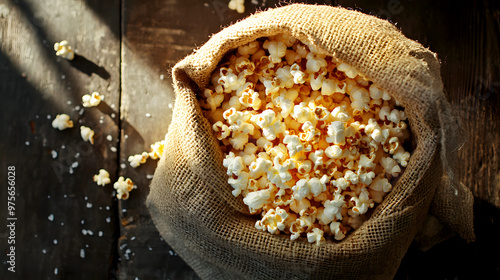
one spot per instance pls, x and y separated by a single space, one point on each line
191 202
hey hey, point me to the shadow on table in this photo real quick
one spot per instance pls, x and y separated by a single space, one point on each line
456 259
88 67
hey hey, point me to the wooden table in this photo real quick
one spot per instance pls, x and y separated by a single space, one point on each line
67 227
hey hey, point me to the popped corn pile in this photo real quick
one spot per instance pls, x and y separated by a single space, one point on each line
311 144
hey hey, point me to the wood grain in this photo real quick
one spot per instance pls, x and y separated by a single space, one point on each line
126 50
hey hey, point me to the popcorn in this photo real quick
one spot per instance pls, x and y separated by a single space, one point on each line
302 113
237 5
138 159
234 164
310 143
123 187
259 167
360 98
314 63
255 200
336 133
249 48
249 98
91 100
271 126
239 184
362 202
276 49
381 184
102 178
239 140
293 144
157 149
62 122
64 50
391 166
87 134
273 221
212 99
329 87
298 75
338 230
401 156
333 208
349 71
316 236
333 151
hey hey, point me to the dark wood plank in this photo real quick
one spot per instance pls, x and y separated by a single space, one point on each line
155 36
65 226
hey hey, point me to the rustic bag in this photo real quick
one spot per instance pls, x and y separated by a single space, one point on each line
191 202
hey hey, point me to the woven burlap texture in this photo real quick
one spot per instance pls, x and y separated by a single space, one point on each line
191 202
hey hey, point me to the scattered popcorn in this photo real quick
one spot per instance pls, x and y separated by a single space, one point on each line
309 142
62 122
87 134
63 49
157 149
136 160
237 5
102 178
91 100
123 187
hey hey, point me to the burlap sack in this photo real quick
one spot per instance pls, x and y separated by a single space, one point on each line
191 202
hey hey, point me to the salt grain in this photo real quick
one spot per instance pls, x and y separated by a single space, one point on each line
51 217
113 149
108 220
55 241
148 115
27 143
44 251
53 153
149 176
89 205
74 164
100 233
162 77
82 253
56 271
123 165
